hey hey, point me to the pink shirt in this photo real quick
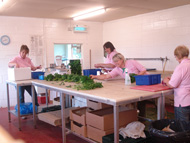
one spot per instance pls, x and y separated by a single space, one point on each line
132 66
109 59
180 80
22 62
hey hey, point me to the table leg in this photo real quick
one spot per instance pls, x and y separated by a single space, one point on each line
163 107
8 103
159 108
63 116
116 124
33 104
18 105
46 97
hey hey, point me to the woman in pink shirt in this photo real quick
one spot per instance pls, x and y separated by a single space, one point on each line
109 64
180 82
121 64
23 61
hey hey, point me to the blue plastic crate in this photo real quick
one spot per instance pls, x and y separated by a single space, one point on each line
148 79
35 75
88 72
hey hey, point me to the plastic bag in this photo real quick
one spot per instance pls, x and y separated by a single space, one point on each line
181 134
26 108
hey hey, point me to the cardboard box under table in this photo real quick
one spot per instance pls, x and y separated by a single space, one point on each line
101 122
78 120
96 105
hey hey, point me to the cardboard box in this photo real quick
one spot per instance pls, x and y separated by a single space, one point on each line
15 74
79 115
97 134
103 119
56 101
78 128
96 105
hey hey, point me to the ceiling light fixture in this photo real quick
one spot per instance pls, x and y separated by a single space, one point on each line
89 14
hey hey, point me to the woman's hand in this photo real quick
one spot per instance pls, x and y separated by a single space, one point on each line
93 76
39 67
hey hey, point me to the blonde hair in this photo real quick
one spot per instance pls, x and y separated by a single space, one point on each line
181 52
117 57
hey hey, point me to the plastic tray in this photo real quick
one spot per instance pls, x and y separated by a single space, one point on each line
148 79
35 75
88 72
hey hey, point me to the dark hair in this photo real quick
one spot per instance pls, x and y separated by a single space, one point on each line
24 47
109 45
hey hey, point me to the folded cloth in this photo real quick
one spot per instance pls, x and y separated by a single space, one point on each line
134 130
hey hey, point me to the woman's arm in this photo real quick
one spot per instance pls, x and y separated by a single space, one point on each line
142 72
101 77
103 65
35 68
13 65
166 81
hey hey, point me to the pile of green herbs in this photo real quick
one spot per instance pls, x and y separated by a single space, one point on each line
83 82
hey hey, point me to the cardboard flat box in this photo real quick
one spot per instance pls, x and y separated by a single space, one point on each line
79 115
103 119
15 74
97 134
96 105
78 128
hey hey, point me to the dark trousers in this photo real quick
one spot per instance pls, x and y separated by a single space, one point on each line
29 90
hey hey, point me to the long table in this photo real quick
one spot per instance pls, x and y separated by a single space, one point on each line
114 92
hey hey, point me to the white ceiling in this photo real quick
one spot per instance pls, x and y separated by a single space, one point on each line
64 9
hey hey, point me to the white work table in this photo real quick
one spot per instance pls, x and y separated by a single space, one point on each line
17 84
114 92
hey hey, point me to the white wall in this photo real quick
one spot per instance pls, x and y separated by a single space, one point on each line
151 35
50 31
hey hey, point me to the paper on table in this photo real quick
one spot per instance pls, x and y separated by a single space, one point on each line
153 88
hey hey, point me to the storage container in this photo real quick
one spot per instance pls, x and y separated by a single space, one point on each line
88 72
15 74
103 119
36 74
148 79
96 105
78 128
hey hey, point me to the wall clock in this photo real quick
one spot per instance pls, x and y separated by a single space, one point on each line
5 40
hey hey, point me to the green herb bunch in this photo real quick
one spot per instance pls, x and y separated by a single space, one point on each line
83 82
76 67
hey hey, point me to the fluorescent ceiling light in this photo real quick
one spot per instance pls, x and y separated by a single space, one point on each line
90 14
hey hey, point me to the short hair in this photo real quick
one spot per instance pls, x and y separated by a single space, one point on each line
181 51
117 57
25 48
109 45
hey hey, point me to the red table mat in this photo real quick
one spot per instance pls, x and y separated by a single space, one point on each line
153 88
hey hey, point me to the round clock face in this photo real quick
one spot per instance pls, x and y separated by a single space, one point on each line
5 40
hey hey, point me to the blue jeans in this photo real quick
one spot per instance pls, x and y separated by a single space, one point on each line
28 89
182 113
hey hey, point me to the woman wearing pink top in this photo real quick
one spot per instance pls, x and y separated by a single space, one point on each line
180 82
23 61
121 64
109 64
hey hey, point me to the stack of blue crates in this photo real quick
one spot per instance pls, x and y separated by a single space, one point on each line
88 72
148 79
